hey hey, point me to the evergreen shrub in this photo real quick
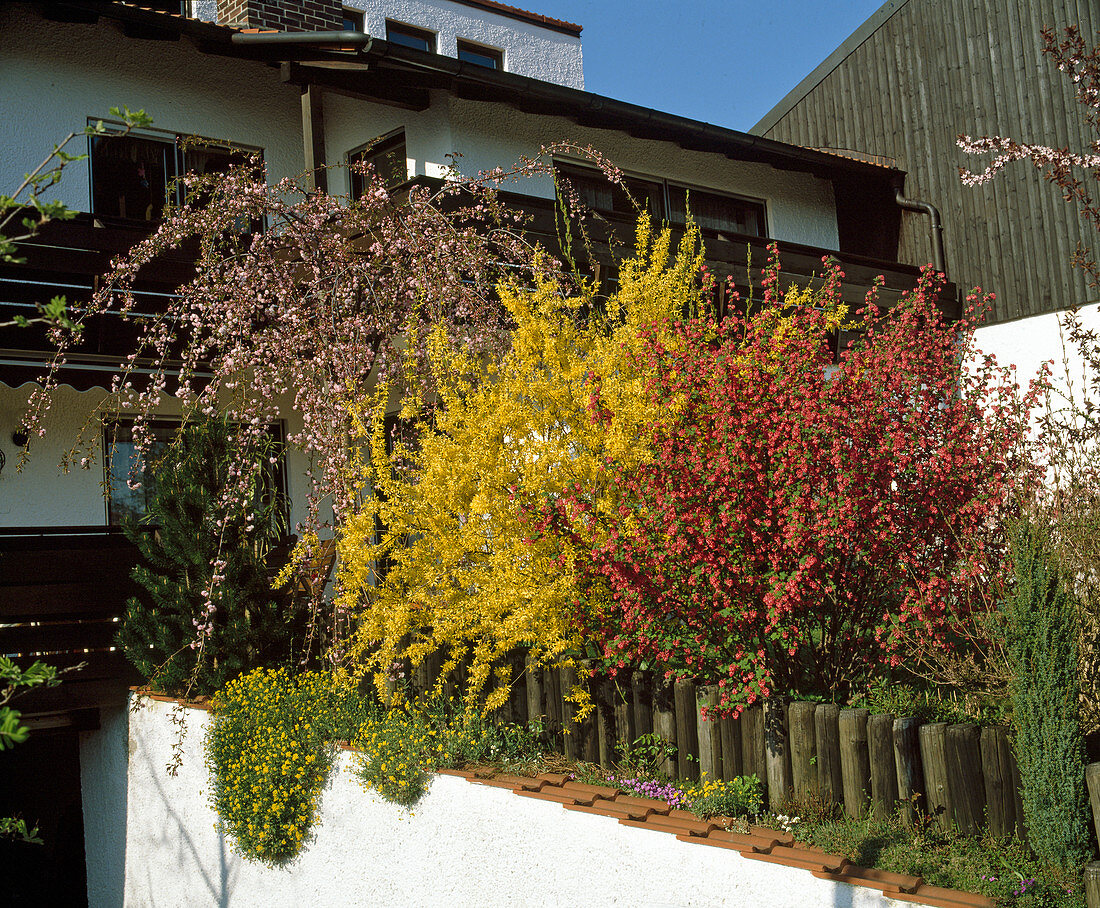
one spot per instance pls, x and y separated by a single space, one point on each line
180 538
1042 638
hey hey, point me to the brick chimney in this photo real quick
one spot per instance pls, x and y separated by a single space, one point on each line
282 15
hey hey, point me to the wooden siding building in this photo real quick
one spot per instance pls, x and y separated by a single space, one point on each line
912 78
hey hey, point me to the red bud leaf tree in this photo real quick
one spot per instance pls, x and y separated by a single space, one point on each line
803 521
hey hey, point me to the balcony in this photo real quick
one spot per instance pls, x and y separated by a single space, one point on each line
63 591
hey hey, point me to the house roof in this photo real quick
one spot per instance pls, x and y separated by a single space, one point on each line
404 76
873 23
570 28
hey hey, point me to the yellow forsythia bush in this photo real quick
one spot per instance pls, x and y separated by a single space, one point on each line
464 576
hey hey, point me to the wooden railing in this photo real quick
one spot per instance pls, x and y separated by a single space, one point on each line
63 591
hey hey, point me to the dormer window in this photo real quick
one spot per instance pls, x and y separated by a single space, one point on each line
480 55
353 20
410 36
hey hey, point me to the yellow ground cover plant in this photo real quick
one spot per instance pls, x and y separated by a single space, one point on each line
464 578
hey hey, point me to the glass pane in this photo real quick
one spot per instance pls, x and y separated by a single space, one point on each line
409 36
130 176
386 157
124 465
717 213
480 56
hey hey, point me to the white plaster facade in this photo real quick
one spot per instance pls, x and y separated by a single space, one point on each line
529 49
462 845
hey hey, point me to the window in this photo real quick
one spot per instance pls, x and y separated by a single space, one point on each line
479 55
134 176
386 155
123 463
353 20
714 212
599 194
410 36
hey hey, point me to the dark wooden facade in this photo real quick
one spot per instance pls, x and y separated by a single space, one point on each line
920 72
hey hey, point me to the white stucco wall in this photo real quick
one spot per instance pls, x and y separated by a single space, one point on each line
43 494
56 75
801 208
463 844
529 49
1029 342
103 756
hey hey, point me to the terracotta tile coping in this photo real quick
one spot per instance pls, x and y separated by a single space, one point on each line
759 843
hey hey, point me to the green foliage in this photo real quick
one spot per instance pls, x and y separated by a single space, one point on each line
401 747
16 828
647 755
1006 872
248 625
269 754
930 704
1042 636
13 680
742 796
399 750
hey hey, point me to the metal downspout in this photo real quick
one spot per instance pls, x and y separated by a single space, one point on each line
935 227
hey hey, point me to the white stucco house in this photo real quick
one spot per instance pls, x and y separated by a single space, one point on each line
313 85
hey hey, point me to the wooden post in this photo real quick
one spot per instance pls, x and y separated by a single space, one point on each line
1092 884
664 721
933 752
605 722
910 770
570 728
622 699
884 775
687 732
517 690
997 777
729 730
1092 780
642 688
534 691
753 759
855 764
710 739
964 769
800 727
830 779
777 752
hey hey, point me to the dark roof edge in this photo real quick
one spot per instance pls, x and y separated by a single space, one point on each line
573 102
873 23
512 88
558 25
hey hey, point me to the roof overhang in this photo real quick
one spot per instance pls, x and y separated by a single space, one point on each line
393 74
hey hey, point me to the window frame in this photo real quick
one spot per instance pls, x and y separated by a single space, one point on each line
356 18
375 146
663 185
414 32
172 424
178 145
483 50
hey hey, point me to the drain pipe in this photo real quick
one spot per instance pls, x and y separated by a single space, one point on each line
935 227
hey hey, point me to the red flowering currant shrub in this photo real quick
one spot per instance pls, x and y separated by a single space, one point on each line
803 517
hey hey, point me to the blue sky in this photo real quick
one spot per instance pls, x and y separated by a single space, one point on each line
726 63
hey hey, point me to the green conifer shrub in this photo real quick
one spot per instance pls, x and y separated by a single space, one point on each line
1042 638
179 538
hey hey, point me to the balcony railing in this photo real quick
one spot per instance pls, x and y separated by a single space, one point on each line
63 591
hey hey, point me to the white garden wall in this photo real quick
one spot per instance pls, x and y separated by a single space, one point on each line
464 844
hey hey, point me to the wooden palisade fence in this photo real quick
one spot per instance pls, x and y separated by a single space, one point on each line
962 776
